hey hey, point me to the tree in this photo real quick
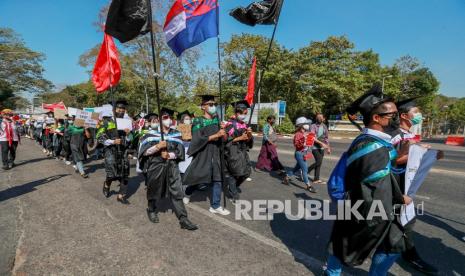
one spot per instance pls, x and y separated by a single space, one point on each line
176 74
21 68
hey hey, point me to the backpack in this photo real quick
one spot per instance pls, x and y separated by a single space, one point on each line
336 182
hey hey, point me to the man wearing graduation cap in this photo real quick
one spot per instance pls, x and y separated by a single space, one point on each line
369 180
205 149
410 115
116 144
239 141
159 163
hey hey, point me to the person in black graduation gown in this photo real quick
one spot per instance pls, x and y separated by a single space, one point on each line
205 168
116 144
410 115
369 178
159 162
239 141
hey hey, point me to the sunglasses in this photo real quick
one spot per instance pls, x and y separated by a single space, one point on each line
388 114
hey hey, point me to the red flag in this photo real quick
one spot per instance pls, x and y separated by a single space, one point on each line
251 84
53 106
107 70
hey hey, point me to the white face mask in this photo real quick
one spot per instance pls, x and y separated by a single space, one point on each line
187 121
241 117
306 127
167 122
154 125
212 110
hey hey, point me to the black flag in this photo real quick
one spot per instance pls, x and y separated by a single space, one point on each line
264 13
127 19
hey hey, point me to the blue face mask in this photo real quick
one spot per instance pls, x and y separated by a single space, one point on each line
212 110
417 119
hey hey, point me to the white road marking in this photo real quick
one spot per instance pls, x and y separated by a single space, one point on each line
423 197
304 258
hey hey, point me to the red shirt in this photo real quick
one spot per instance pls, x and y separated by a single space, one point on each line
299 141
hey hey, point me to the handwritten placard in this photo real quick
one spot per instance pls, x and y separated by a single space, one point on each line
60 113
79 122
186 131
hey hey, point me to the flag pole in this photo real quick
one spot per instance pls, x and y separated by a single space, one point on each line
154 63
112 91
221 101
265 65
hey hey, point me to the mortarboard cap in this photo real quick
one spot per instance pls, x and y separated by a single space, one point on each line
405 105
243 104
166 111
368 101
181 115
206 98
121 103
150 116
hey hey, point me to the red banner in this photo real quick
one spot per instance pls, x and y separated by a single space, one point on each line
251 84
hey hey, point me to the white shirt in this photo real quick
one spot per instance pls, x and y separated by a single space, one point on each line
3 131
386 137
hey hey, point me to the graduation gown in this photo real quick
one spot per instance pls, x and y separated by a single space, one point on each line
368 178
162 177
237 153
116 156
205 166
77 142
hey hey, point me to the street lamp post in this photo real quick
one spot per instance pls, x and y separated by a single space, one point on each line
385 77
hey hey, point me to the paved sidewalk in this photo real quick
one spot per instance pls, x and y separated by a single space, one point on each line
54 222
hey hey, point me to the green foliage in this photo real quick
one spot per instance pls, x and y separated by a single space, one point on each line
20 67
286 126
264 113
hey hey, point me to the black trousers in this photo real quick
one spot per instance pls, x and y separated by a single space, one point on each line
67 149
8 152
410 252
233 184
178 207
318 154
123 184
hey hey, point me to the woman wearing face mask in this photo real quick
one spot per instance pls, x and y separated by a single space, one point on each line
58 139
268 159
239 141
302 126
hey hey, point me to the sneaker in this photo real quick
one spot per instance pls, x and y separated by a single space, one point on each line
248 179
220 211
186 200
68 163
75 167
44 151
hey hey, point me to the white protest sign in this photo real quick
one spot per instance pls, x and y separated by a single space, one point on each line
124 123
72 111
90 123
82 114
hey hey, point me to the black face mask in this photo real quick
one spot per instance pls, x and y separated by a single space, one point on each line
394 123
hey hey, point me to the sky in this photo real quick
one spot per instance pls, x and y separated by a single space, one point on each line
431 30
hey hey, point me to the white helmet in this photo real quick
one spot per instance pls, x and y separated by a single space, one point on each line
301 121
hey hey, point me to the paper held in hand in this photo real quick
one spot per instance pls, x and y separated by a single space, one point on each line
420 162
124 123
